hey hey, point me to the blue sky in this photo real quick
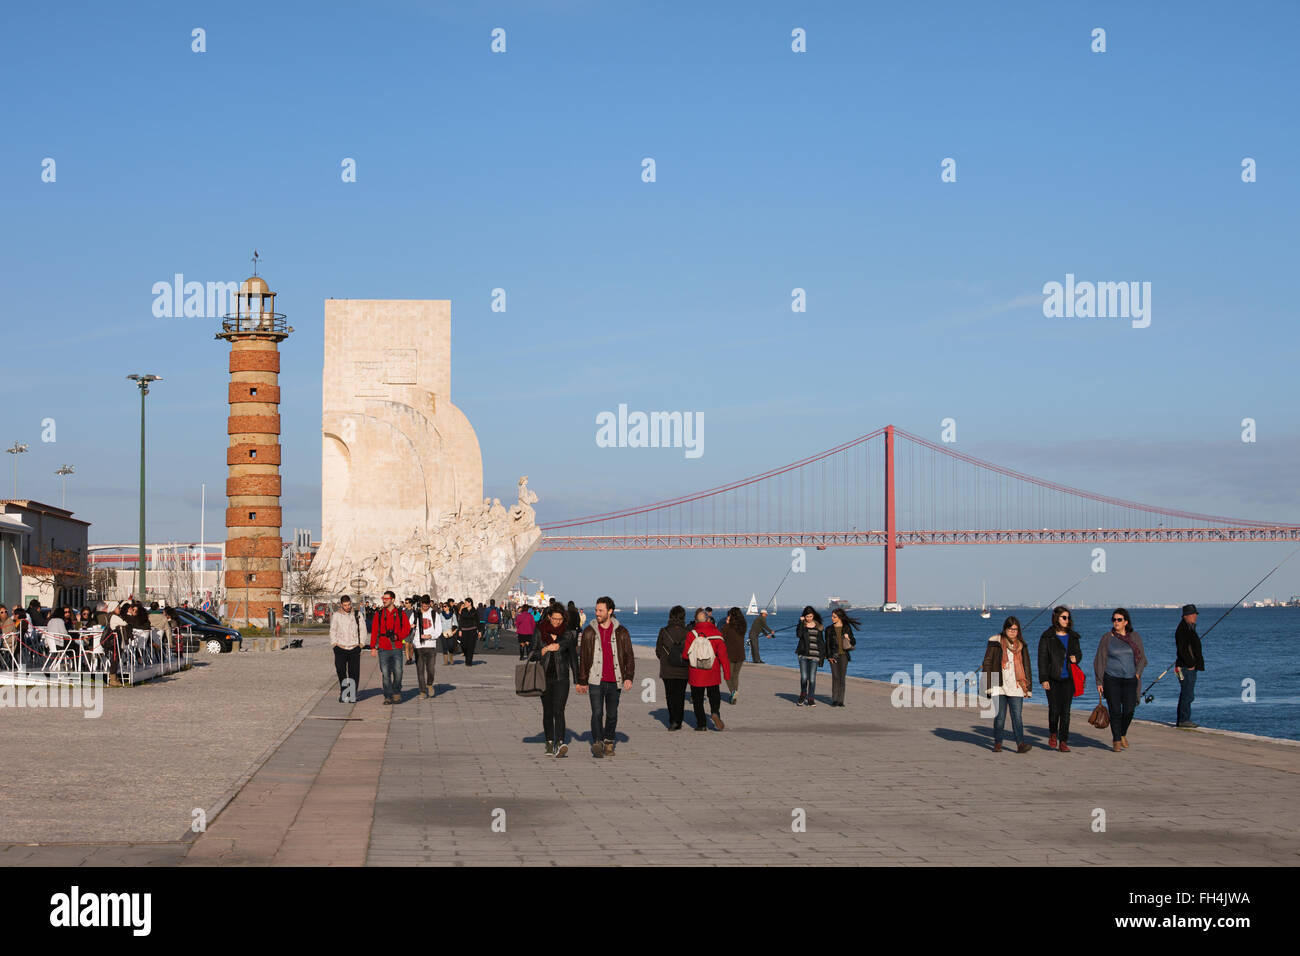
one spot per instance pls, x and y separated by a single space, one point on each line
775 170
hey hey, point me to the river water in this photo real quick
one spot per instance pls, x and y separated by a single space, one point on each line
1248 655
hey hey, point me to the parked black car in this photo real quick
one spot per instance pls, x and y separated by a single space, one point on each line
213 638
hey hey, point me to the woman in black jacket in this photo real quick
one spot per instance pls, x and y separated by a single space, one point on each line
1058 648
555 645
810 652
840 641
674 671
467 621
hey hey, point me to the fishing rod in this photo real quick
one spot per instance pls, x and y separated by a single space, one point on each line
1052 602
1148 698
778 587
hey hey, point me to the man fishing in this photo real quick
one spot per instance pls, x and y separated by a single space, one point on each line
1187 664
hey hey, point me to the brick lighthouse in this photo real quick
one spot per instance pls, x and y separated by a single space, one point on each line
253 578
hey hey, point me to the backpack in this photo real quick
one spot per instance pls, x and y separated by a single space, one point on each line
494 616
701 653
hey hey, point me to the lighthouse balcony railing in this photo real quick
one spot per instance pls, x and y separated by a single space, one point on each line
255 322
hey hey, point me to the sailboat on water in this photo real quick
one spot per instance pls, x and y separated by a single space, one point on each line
752 610
984 604
635 607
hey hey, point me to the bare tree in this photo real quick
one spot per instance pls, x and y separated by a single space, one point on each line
306 585
63 571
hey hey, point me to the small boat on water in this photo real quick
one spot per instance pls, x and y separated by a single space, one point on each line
984 604
635 607
752 610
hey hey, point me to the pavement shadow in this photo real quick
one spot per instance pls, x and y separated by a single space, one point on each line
660 715
619 737
982 738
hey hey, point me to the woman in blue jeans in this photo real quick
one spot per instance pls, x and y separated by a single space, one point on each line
1118 665
811 651
1008 679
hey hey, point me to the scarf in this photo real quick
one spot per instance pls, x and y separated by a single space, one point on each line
1127 638
1008 655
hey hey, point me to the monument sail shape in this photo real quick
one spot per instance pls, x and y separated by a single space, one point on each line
401 473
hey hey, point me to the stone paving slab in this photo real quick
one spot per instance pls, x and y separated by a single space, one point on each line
134 775
877 784
422 784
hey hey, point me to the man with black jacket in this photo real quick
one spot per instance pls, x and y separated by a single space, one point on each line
1186 665
1058 648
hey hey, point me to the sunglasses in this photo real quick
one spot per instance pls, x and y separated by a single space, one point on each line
1117 620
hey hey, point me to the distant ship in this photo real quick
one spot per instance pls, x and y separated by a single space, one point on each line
837 602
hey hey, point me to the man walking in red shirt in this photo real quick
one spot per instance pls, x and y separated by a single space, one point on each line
388 632
605 664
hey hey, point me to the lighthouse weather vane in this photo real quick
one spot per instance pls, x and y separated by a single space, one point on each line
255 258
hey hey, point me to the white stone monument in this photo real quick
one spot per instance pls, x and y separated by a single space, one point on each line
401 474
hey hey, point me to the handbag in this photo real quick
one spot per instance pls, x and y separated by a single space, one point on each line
1080 679
530 679
1100 717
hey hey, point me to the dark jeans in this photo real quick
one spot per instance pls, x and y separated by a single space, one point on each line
675 689
808 676
390 669
492 636
554 698
425 660
753 649
733 682
525 645
697 698
1015 705
1059 694
1186 695
839 671
347 663
468 641
604 701
1122 699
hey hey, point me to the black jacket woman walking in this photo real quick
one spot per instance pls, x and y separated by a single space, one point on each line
673 670
810 652
1058 648
839 642
733 631
556 646
1119 664
468 624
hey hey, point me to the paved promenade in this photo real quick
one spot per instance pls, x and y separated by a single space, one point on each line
875 784
462 780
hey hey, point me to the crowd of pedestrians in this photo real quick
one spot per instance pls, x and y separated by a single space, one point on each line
595 657
1117 665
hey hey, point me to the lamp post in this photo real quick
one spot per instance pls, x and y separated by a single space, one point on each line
16 449
143 382
64 471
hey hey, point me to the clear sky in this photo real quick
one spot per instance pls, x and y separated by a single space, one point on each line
775 170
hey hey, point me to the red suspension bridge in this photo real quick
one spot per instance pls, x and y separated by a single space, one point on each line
890 488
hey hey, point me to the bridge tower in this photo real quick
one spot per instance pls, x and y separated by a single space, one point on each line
891 534
253 578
